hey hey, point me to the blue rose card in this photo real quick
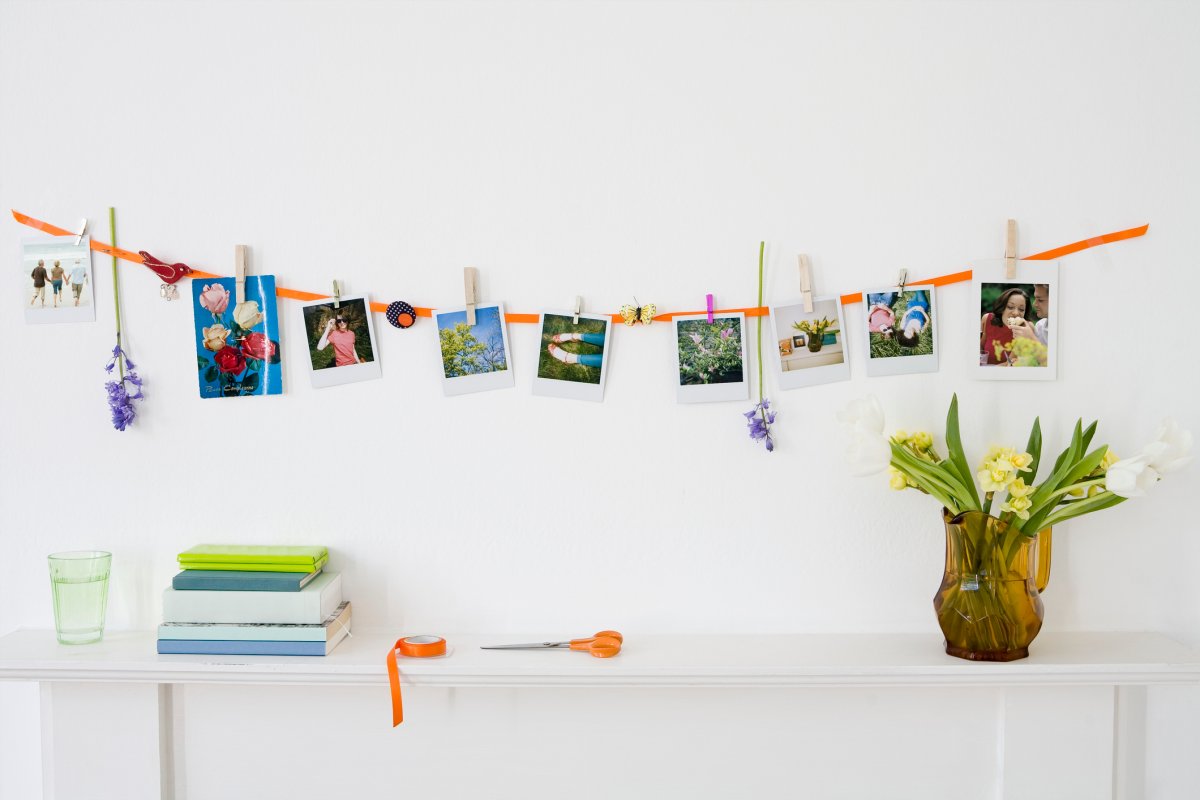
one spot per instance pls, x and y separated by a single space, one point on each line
237 344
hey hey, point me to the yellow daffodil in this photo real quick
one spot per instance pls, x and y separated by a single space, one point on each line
988 481
1021 461
1018 488
896 479
1018 505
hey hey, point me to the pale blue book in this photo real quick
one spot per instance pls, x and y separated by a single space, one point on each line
245 648
261 632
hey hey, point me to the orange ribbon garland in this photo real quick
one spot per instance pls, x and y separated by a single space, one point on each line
757 311
412 647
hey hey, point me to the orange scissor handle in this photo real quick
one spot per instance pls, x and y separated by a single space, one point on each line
604 644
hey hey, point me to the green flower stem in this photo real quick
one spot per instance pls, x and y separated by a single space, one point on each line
1074 486
1096 503
112 232
762 246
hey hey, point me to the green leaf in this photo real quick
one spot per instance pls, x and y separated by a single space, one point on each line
956 456
931 477
1034 448
250 383
1086 466
1087 437
210 374
934 491
1062 467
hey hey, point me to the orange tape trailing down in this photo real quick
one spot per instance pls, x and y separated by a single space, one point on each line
757 311
411 647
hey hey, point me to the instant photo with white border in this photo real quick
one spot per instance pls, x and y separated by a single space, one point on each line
900 364
712 392
1028 273
349 373
782 318
479 381
573 390
64 250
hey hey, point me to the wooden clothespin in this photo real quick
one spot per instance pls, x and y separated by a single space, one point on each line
1010 251
82 231
471 292
901 281
709 301
239 273
578 304
806 282
337 295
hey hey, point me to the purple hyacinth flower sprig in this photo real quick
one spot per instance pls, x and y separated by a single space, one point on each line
759 420
120 398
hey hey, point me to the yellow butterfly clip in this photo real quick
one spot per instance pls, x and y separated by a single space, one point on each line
642 314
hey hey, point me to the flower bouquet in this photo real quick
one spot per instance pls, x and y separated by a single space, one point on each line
815 330
988 604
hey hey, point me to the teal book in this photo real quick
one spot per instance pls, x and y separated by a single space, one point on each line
236 581
326 632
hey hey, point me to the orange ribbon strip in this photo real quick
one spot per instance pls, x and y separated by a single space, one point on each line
411 647
757 311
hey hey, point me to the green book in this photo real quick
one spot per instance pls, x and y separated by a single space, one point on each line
261 558
244 566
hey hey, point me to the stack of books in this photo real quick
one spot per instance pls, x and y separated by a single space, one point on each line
254 600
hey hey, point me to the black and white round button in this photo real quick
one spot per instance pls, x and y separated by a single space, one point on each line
401 314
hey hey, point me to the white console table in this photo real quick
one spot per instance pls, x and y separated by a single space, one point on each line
109 710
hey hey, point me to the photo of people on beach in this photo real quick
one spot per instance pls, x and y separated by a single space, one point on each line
341 341
56 275
572 356
1015 333
901 336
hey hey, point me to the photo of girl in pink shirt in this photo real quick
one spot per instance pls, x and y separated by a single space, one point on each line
341 345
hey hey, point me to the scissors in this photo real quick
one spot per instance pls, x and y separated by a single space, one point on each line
604 644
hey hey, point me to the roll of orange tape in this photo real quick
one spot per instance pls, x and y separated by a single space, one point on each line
409 647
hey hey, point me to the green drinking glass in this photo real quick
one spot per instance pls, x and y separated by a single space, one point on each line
80 583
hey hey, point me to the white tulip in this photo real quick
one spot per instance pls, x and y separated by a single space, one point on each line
1171 451
864 415
1130 477
868 454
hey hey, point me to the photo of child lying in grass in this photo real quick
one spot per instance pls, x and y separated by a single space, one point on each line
900 323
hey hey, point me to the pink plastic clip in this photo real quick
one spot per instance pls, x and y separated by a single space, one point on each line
708 298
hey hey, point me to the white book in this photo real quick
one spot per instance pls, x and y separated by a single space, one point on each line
309 606
328 631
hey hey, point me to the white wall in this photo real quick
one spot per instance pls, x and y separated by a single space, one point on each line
608 150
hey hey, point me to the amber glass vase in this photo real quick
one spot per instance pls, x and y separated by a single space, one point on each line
989 605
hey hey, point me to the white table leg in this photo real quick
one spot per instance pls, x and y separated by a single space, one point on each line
106 740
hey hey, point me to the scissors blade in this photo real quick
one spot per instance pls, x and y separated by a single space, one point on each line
529 646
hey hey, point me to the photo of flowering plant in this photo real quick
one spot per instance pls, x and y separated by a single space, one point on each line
237 344
710 358
710 352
